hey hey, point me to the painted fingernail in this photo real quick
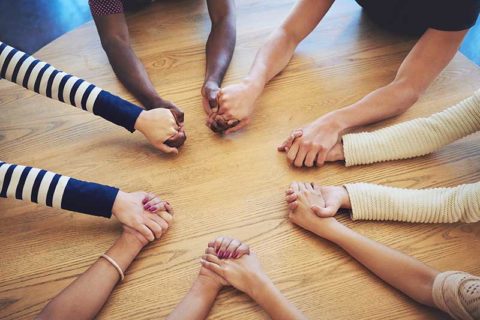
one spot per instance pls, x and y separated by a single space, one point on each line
220 254
145 200
146 206
152 209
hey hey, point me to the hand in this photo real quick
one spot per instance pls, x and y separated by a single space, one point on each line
215 122
302 199
314 144
237 104
210 276
225 248
158 126
134 236
334 198
165 104
129 208
245 273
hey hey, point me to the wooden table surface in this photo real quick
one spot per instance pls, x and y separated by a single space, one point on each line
225 185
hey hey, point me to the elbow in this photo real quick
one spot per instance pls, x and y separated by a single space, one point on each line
114 42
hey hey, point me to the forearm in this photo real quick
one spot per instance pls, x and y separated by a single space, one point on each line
274 302
221 41
55 190
415 137
383 103
272 58
439 205
197 303
78 300
38 76
130 71
401 271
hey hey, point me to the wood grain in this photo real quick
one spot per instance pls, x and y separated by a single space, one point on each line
225 185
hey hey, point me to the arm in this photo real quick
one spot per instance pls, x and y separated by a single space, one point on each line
78 300
115 39
237 101
55 190
415 137
439 205
232 261
158 126
421 66
219 48
401 271
199 300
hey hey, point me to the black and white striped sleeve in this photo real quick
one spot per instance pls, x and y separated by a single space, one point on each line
55 190
33 74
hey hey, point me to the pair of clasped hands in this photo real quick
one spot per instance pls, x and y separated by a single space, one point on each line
164 126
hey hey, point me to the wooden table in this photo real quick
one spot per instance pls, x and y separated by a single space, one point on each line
225 185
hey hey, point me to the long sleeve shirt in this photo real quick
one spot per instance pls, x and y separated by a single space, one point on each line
56 190
36 75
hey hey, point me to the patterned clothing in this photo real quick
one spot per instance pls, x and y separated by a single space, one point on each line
36 75
55 190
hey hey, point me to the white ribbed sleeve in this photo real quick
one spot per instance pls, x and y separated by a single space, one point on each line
439 205
416 137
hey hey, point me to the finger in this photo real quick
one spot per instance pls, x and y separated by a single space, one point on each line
212 267
239 126
159 220
289 191
167 217
211 244
322 154
212 99
308 186
292 197
147 233
177 114
230 250
293 205
300 158
148 197
166 149
242 250
211 258
292 152
169 208
218 243
310 157
222 252
154 227
289 141
233 122
152 203
210 250
206 106
295 186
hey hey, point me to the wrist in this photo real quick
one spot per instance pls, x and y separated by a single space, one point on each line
118 203
131 241
345 202
260 288
140 123
254 85
333 120
205 283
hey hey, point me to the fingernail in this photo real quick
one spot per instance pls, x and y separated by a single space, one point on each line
144 201
227 255
220 254
152 209
146 206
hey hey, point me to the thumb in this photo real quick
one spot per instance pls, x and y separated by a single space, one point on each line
166 149
327 212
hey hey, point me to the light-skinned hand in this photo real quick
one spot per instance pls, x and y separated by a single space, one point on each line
129 209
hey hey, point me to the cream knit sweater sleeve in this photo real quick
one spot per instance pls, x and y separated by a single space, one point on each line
439 205
415 137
